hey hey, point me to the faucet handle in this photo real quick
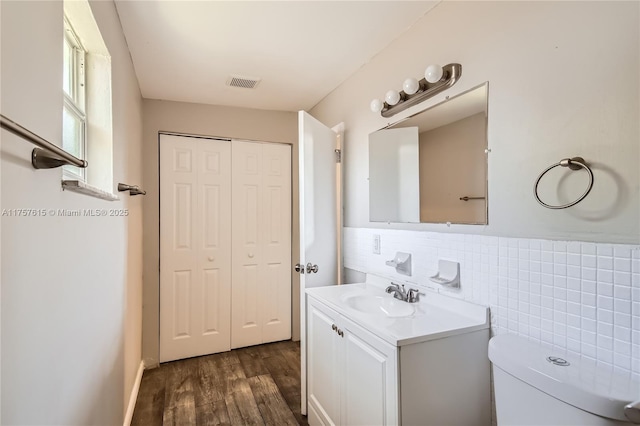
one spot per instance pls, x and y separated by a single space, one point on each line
413 295
393 287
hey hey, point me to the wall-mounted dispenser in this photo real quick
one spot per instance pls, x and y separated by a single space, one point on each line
448 274
402 263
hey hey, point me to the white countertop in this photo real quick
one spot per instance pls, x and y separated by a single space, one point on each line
436 315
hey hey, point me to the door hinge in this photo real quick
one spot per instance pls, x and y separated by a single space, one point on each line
338 155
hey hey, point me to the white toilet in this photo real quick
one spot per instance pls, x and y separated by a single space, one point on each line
538 386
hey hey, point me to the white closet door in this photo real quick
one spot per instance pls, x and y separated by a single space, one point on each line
276 221
247 289
261 247
195 236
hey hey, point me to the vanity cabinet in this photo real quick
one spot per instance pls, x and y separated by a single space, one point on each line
429 368
352 374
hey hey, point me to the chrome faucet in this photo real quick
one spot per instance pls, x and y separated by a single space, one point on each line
398 291
412 296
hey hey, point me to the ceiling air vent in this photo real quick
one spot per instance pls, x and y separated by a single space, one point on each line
242 81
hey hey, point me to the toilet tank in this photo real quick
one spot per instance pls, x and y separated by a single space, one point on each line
538 385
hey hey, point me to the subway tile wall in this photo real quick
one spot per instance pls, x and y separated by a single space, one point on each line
580 297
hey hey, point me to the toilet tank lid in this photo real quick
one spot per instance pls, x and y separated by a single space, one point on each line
583 383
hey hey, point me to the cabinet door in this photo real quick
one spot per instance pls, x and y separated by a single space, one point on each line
324 348
369 380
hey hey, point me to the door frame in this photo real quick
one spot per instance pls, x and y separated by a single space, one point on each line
339 129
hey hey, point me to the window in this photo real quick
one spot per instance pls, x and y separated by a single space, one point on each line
74 119
87 130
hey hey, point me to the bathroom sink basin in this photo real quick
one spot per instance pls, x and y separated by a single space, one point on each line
378 305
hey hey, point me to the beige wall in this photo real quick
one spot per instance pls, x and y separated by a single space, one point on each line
563 81
453 165
209 120
71 286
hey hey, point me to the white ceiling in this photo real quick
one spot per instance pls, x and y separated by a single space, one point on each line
302 50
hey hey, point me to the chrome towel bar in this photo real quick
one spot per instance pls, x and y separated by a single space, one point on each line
575 163
48 155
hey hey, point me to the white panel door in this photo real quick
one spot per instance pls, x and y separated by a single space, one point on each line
261 248
276 224
319 217
195 262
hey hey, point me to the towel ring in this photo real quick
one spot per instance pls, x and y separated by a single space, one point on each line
575 163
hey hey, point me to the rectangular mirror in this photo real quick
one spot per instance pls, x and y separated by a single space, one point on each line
432 166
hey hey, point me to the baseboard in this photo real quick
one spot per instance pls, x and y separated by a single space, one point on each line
134 396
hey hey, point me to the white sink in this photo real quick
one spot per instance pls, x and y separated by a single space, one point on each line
400 323
378 305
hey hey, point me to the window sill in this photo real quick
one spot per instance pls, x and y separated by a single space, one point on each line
86 189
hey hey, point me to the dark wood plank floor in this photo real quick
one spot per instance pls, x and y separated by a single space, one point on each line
259 385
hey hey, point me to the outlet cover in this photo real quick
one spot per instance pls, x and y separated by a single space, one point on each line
376 244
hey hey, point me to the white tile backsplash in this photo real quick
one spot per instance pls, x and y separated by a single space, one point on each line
582 297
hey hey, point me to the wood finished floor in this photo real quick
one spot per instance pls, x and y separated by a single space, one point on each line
258 385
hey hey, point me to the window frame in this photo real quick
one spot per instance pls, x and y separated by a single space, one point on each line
74 103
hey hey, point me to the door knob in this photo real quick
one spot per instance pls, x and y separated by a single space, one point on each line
211 258
299 268
312 268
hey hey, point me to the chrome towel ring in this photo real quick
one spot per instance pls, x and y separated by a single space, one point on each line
575 163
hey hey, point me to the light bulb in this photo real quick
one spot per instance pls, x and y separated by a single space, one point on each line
433 73
392 97
410 86
376 105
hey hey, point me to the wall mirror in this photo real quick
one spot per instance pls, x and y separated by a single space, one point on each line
432 166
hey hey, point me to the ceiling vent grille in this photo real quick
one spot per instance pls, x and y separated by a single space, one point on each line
242 81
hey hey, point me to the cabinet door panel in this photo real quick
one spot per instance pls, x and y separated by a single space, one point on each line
324 353
369 381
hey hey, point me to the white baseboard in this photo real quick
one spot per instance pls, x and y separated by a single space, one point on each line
134 396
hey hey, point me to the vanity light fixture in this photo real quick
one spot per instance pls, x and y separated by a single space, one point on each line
436 79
